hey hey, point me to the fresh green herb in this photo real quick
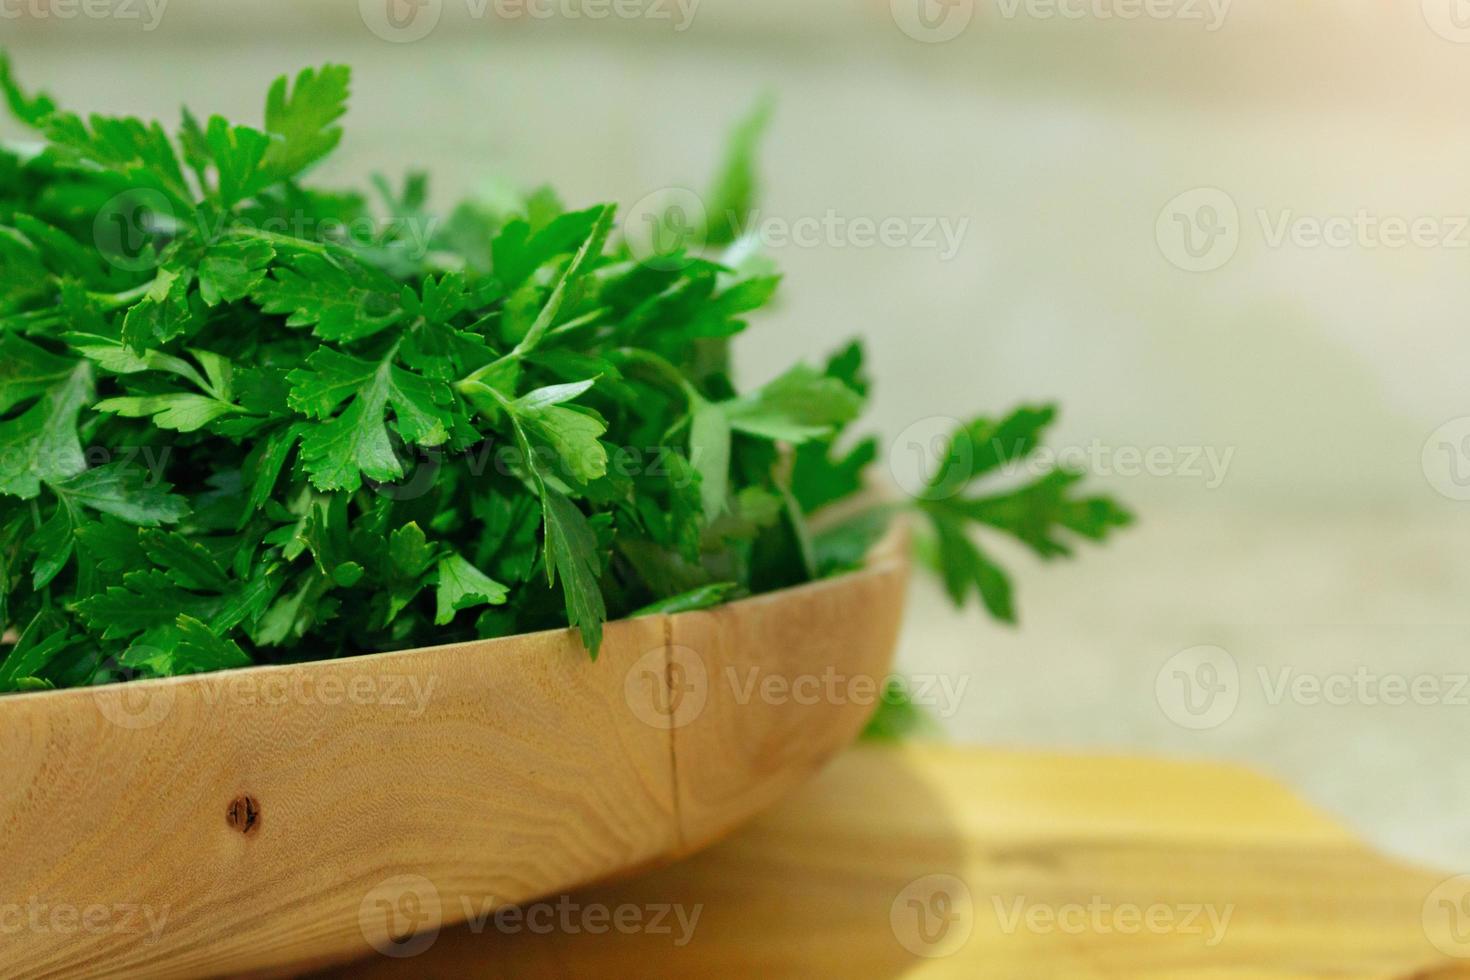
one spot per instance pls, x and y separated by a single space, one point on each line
246 420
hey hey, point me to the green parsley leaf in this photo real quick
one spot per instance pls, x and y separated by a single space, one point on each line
329 424
463 586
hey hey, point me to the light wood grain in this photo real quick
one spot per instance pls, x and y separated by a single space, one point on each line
273 818
780 698
810 888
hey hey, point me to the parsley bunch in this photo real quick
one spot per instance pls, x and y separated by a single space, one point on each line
244 420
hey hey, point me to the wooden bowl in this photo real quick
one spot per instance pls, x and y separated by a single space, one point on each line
280 818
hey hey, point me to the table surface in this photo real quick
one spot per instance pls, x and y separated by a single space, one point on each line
928 860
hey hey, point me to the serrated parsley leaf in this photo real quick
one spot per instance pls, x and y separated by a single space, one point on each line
180 412
126 491
164 313
146 600
185 560
42 443
232 269
237 152
338 452
341 299
571 554
1035 513
801 404
571 434
185 646
300 119
966 569
463 586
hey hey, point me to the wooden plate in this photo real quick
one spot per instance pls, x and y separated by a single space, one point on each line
279 818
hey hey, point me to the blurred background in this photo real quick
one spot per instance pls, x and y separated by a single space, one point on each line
1231 238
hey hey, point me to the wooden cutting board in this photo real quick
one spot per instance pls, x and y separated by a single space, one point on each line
938 861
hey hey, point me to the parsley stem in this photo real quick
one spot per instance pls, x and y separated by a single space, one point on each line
126 298
662 367
295 244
